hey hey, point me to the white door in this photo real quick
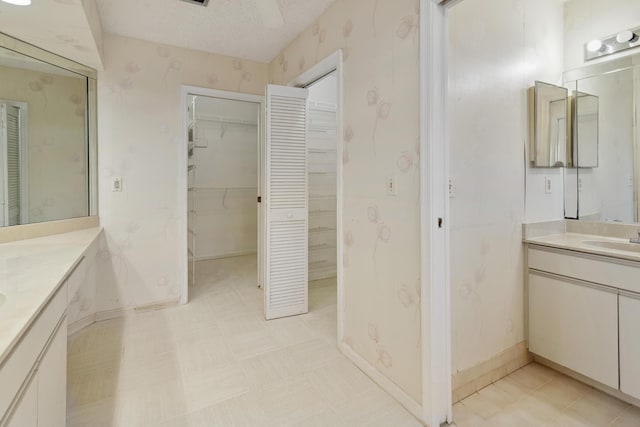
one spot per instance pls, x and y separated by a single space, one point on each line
285 260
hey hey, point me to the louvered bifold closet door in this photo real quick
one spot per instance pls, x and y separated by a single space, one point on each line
13 164
286 278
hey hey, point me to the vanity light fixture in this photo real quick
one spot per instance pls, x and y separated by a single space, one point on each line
627 39
596 46
18 2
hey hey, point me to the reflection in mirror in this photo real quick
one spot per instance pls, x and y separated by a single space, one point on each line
570 173
549 127
43 141
606 137
585 107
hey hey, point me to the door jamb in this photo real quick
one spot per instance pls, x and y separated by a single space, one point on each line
435 214
333 62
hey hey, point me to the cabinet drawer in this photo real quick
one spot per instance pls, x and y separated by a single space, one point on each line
574 325
27 351
591 268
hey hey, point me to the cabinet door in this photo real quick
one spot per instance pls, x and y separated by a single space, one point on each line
574 325
26 413
52 381
630 345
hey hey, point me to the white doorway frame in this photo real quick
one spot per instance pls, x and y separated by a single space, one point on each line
435 214
185 91
333 63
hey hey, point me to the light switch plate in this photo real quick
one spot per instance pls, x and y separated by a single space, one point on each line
117 184
547 185
392 188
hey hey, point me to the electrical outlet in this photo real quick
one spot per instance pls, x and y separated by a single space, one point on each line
579 184
452 189
547 185
117 184
392 189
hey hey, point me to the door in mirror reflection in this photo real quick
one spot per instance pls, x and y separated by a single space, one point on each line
13 207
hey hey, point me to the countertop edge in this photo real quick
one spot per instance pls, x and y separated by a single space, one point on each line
609 253
6 352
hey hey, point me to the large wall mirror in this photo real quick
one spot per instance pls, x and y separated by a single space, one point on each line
47 136
606 110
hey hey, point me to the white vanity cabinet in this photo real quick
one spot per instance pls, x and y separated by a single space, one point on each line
575 325
584 315
630 344
44 294
33 376
43 402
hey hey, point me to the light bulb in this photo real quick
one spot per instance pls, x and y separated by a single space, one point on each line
18 2
595 46
627 37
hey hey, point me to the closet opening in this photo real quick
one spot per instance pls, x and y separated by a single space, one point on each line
322 162
223 142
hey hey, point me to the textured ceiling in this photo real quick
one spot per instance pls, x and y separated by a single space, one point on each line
228 27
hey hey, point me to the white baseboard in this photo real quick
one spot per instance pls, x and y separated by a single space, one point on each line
467 382
229 255
385 383
129 311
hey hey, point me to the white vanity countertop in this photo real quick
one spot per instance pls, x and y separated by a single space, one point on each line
31 271
576 242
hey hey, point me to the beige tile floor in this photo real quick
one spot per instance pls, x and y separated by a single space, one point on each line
216 362
538 396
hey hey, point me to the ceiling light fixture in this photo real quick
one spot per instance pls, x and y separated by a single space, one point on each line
18 2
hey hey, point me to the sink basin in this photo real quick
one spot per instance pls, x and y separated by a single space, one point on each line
618 246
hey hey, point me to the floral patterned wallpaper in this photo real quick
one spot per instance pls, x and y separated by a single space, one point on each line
139 131
56 141
380 43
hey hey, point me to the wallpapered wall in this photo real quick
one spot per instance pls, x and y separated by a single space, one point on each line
56 141
139 131
488 99
381 134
